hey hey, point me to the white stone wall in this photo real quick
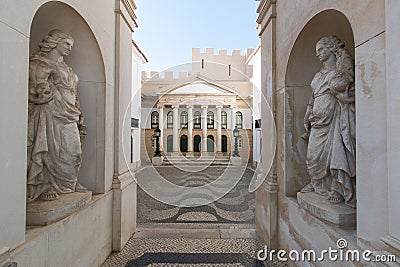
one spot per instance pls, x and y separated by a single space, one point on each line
361 24
23 24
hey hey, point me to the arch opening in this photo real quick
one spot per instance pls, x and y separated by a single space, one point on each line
300 70
86 60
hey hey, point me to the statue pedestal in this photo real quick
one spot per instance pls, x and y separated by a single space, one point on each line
236 161
320 207
157 161
41 212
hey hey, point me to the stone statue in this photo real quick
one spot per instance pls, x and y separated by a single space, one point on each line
55 121
330 125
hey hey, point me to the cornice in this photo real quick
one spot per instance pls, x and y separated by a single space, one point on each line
130 7
263 9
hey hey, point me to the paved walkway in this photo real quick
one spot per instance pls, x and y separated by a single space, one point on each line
221 233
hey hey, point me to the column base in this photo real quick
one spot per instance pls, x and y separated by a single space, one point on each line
124 210
157 161
266 213
236 161
189 154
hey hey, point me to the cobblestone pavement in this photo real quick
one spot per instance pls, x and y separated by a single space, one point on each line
236 207
183 252
219 234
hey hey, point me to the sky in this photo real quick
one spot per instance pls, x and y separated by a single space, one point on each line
169 29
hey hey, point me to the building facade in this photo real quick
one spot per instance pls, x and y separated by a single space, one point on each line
198 111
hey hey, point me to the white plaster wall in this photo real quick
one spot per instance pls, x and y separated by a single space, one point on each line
123 131
136 104
13 103
16 18
371 139
81 240
393 111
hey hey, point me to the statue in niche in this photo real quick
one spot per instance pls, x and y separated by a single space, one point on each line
330 125
55 121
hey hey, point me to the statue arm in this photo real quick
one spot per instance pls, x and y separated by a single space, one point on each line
81 126
39 72
308 113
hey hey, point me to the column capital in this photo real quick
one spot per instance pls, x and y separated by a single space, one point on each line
189 106
175 106
160 106
233 106
204 106
219 107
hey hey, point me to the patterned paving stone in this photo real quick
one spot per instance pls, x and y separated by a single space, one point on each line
189 252
236 207
219 234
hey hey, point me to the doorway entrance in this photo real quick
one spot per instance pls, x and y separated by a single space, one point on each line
210 143
224 143
184 143
170 141
196 143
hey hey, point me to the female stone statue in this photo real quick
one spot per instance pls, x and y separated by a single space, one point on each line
330 125
55 121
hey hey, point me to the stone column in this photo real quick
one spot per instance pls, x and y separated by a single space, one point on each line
190 129
175 130
233 124
204 129
219 129
161 125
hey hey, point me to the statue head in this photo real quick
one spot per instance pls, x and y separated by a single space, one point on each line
56 39
344 60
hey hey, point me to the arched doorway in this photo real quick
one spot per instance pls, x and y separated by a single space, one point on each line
210 143
224 143
196 143
170 142
184 143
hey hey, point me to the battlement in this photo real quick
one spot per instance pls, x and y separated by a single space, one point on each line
196 52
221 66
164 76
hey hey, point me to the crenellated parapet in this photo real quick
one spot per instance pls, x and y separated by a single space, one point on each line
166 76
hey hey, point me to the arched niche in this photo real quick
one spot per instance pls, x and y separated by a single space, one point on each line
301 68
87 62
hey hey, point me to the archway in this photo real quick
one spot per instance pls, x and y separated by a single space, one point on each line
87 62
301 68
170 141
224 143
196 143
210 143
184 143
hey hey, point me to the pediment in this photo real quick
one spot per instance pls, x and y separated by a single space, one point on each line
197 85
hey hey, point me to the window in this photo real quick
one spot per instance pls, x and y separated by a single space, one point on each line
197 120
257 124
135 123
184 119
224 120
170 120
210 120
229 70
239 120
154 119
240 141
